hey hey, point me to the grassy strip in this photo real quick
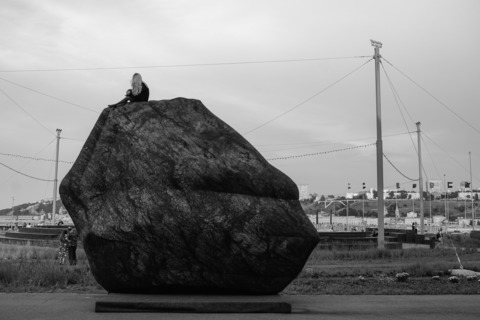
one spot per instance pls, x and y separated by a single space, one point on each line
380 286
372 271
36 269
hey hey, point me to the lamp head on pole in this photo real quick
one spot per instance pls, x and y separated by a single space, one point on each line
376 44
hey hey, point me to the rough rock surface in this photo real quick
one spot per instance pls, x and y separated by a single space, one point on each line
167 198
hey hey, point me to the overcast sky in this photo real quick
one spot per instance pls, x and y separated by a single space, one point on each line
62 62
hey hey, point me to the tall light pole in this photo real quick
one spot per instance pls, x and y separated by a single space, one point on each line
380 202
445 188
13 208
420 179
54 208
471 191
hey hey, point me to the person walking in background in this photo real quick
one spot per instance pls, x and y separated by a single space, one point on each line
139 92
72 246
63 251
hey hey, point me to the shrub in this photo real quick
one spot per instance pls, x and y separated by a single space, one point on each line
402 277
471 278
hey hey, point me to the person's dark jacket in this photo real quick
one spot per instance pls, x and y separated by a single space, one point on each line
72 239
142 96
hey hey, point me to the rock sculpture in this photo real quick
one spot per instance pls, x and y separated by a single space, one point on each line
169 199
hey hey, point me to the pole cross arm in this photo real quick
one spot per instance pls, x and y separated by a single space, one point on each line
376 44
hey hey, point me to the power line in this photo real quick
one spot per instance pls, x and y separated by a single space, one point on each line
23 174
185 65
449 155
32 158
308 99
302 145
397 99
49 96
385 156
25 111
322 152
51 141
435 98
431 158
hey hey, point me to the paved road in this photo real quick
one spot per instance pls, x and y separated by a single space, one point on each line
33 306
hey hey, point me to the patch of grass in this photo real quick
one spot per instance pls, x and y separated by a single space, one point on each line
36 269
373 271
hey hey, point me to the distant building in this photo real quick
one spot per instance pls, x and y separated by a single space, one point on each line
414 196
303 191
412 214
467 195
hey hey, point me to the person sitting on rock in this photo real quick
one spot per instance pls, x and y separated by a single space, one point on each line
139 92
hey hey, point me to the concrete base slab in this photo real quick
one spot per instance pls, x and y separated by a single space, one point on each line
193 307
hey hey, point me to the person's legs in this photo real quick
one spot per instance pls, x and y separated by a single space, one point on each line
74 255
119 103
70 255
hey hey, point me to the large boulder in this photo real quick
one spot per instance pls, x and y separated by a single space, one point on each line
167 198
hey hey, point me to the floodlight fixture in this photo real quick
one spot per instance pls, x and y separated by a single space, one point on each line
376 44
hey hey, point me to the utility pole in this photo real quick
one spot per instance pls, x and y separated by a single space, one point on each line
363 209
445 188
420 179
380 202
13 208
54 208
471 191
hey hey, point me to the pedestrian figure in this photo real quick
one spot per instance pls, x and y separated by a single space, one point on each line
72 246
63 250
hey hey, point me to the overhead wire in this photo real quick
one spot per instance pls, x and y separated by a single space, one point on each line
50 167
185 65
23 174
396 93
33 158
50 96
449 155
306 100
398 101
431 158
29 160
26 112
435 98
314 144
321 152
401 173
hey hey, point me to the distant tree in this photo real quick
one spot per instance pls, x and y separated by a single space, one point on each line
312 197
354 212
476 197
322 198
391 195
403 194
453 195
391 210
